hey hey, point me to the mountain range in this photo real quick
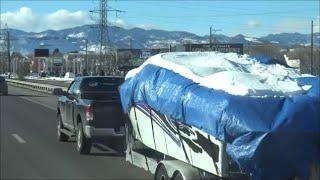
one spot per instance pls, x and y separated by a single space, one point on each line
73 39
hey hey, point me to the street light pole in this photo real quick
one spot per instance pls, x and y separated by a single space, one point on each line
311 59
8 51
86 57
210 37
210 41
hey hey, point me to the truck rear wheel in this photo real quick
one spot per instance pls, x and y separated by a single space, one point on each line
161 173
83 143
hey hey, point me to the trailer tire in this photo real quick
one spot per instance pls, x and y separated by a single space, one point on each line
161 173
177 176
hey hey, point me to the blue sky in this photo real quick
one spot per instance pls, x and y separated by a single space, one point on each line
252 18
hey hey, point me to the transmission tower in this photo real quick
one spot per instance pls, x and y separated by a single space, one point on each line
103 32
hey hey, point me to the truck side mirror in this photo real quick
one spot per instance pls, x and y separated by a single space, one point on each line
59 92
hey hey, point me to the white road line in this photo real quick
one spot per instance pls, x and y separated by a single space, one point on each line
49 107
18 138
110 150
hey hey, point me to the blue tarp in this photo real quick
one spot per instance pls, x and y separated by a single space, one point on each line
268 137
266 60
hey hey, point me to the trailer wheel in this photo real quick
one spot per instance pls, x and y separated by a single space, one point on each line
177 176
161 173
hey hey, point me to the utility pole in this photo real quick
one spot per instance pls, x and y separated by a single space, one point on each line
130 43
212 31
210 40
103 29
3 47
311 59
103 26
8 50
86 56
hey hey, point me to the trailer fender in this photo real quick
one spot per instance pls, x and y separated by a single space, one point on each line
173 167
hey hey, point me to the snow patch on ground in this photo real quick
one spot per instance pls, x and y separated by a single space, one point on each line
78 35
64 79
39 36
230 72
60 79
251 39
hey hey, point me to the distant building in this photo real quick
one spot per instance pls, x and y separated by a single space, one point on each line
73 62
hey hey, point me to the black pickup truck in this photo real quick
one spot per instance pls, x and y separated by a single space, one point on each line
90 110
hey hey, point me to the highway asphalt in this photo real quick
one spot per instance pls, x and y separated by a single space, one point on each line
30 150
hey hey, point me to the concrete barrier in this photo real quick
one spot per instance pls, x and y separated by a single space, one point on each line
46 88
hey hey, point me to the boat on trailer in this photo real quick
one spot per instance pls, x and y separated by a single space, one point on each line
180 128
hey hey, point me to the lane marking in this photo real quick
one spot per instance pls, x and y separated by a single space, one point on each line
18 138
39 103
110 150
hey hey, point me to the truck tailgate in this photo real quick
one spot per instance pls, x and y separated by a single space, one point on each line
108 114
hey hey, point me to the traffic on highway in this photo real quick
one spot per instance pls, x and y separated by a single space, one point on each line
30 148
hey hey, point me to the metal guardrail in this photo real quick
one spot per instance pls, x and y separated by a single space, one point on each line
46 88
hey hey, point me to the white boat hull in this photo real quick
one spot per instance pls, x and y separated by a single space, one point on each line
185 143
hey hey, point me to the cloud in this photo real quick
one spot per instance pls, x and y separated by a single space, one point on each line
146 26
25 19
62 19
21 19
123 24
253 23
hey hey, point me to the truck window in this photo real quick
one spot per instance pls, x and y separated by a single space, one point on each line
101 88
71 86
101 84
76 87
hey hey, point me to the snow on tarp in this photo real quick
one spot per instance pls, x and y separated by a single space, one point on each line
267 114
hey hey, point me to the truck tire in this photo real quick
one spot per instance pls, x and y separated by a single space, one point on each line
61 136
161 173
83 143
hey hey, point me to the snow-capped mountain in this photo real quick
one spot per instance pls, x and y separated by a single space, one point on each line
73 39
289 39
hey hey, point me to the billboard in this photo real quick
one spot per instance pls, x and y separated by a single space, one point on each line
237 48
41 52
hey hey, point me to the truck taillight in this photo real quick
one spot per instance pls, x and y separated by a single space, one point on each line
89 112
